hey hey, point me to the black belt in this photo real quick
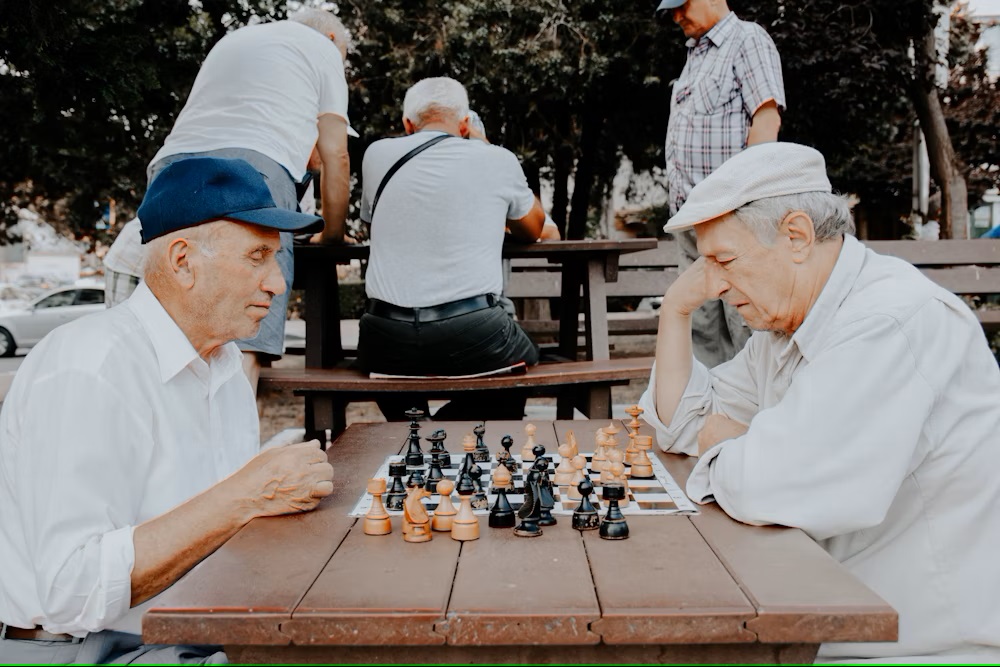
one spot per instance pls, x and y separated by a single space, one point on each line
35 634
431 313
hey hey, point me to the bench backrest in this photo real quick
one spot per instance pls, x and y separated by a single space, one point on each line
967 266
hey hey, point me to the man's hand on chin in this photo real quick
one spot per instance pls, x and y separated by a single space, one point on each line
716 429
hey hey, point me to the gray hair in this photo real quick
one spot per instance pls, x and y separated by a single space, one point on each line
324 22
205 235
434 98
830 213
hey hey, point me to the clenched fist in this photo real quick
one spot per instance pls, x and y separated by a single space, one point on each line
284 480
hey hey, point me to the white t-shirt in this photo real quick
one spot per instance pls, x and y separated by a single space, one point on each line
439 226
875 428
112 420
262 87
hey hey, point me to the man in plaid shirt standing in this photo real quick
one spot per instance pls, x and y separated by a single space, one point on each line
729 96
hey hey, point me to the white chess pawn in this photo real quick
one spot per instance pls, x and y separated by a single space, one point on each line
469 442
377 520
564 471
445 511
579 463
618 477
529 443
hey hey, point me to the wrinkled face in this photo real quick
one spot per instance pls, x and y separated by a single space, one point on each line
696 17
235 279
758 280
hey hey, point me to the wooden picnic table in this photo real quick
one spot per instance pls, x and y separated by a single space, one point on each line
587 266
699 588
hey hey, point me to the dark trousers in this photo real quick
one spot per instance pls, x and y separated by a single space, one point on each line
479 341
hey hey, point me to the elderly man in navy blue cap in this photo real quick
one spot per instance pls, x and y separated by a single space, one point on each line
863 410
729 96
129 441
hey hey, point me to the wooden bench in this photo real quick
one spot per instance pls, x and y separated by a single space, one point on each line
585 385
969 267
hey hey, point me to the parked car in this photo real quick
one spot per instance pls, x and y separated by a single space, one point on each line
24 327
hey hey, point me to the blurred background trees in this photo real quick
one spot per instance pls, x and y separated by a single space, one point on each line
91 88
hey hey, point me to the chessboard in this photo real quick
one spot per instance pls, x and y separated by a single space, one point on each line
660 495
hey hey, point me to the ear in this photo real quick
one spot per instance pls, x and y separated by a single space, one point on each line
179 254
463 127
408 125
798 231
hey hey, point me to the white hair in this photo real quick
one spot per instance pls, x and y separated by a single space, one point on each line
830 213
324 22
434 98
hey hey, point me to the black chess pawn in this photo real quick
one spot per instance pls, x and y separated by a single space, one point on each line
502 514
396 494
585 516
547 499
508 460
479 499
434 474
482 452
613 527
414 455
531 509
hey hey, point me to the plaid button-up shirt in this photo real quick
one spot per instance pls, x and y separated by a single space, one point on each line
731 71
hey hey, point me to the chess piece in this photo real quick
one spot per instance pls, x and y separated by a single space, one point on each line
598 460
465 524
642 467
434 474
547 500
631 452
564 471
574 446
468 443
377 520
614 455
579 464
503 455
437 450
482 453
397 492
539 453
618 478
415 516
531 508
585 516
634 412
445 511
502 514
526 455
613 526
479 500
502 479
416 478
414 455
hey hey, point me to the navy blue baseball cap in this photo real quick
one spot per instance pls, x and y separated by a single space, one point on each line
196 190
667 5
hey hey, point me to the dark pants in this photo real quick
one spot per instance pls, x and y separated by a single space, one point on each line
479 341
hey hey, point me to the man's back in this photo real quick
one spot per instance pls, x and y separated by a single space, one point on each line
439 224
261 88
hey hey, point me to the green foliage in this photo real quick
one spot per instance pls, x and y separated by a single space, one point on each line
91 88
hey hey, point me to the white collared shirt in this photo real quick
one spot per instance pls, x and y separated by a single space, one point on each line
875 428
111 421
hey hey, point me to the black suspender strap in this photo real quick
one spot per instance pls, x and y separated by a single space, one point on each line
399 163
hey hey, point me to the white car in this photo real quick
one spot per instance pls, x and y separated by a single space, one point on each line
25 327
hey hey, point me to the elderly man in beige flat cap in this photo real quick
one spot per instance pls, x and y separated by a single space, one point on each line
865 409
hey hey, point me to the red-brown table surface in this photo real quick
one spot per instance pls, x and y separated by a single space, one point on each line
704 588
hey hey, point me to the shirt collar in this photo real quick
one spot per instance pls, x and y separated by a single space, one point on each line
719 32
808 337
174 351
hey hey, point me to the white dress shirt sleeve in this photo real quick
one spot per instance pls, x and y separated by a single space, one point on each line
78 523
830 456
